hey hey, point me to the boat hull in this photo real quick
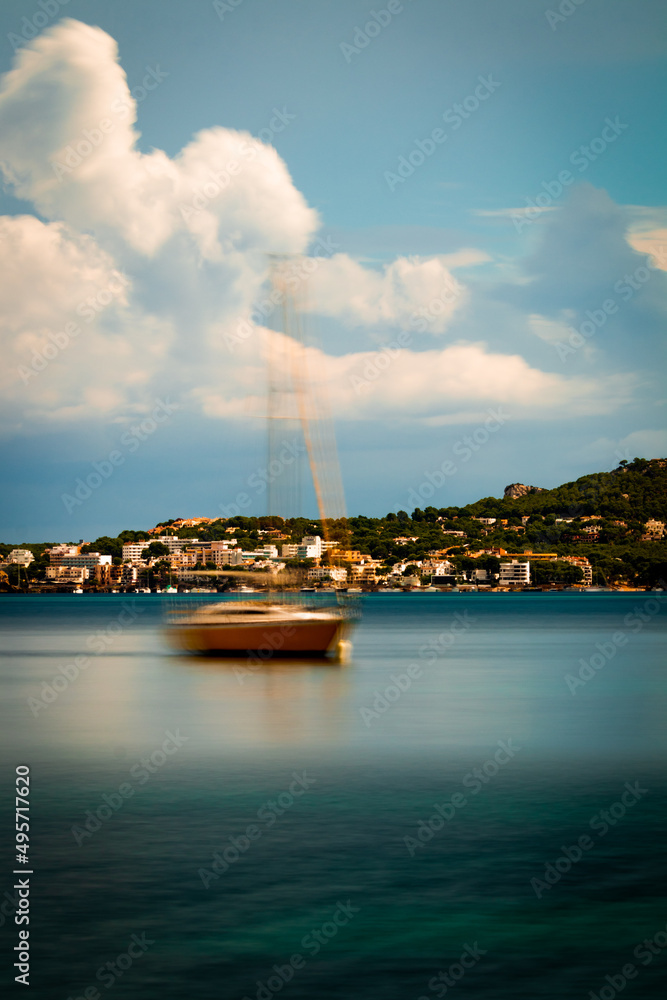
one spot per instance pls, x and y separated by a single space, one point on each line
264 639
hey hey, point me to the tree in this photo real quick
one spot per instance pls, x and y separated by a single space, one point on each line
157 549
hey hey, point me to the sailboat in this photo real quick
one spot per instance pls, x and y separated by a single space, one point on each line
274 627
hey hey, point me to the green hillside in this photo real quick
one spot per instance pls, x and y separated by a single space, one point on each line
634 491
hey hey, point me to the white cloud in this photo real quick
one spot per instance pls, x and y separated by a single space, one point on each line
69 146
644 444
647 232
442 386
191 234
411 292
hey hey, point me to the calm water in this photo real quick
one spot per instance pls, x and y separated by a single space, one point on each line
352 871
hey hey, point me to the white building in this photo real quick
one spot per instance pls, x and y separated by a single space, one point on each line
310 548
438 567
218 553
337 573
514 573
20 557
67 574
267 552
57 553
133 551
173 542
583 564
88 559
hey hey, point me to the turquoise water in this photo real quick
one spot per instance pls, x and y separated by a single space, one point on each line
485 778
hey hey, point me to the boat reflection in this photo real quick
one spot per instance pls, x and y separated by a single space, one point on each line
279 701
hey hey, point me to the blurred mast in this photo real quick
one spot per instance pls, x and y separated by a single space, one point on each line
290 375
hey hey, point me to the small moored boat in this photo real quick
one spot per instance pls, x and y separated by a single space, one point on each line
268 629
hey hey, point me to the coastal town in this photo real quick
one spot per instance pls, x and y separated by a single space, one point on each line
591 534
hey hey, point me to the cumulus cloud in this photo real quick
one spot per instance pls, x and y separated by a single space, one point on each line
410 293
172 253
448 385
69 146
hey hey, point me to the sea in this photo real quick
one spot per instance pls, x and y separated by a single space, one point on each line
473 806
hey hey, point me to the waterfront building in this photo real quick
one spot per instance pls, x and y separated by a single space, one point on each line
514 573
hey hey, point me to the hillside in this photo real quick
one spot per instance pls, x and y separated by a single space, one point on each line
601 516
635 491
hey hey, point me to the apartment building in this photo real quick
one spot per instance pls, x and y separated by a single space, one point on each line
20 557
583 564
90 560
67 574
174 543
57 553
133 551
514 573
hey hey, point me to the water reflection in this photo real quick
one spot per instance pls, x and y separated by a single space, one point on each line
281 701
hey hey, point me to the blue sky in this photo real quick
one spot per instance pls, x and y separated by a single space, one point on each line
477 284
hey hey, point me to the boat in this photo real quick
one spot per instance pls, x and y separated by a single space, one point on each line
266 628
271 626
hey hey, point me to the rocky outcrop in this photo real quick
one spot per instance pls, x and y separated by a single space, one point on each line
516 490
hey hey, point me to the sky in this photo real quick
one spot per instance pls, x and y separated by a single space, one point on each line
479 192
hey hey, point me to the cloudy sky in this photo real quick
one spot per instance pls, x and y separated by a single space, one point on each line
480 186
